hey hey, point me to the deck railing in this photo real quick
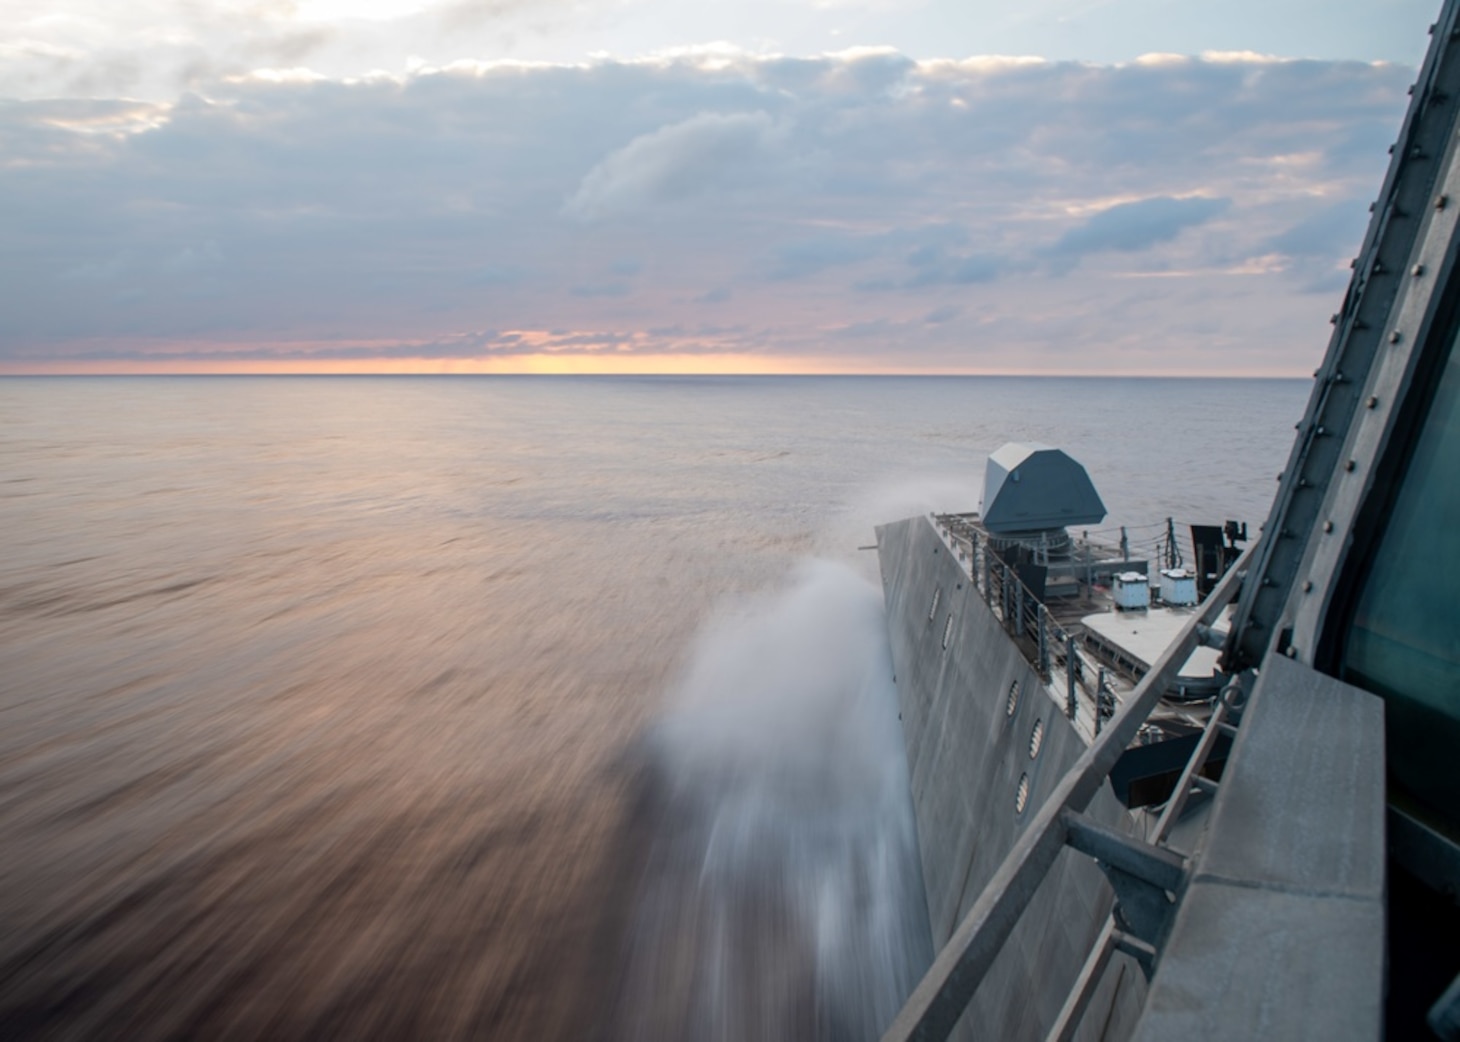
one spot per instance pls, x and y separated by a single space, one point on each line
1049 646
945 990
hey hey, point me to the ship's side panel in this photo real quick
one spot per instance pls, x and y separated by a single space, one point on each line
967 755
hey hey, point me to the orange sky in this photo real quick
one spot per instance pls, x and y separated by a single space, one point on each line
563 365
852 213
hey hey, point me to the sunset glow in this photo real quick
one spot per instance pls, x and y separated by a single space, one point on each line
393 188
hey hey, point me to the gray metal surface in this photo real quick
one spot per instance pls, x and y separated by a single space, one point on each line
1280 933
1444 1016
1143 876
1429 274
1245 961
977 947
1424 850
1277 925
1029 487
1388 314
966 756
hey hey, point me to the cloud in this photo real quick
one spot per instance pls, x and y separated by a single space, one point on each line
153 48
1134 226
195 259
601 289
1317 246
832 208
708 152
1327 233
495 275
108 270
937 257
803 257
947 268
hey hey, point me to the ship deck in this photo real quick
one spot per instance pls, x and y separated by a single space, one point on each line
1076 629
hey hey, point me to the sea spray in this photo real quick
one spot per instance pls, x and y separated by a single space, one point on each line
888 500
782 897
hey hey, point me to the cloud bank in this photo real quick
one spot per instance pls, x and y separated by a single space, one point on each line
155 49
861 211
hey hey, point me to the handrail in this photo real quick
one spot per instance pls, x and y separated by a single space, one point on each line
935 1005
1068 1021
1230 700
1024 614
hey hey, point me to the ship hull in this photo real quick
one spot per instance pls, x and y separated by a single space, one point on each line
967 755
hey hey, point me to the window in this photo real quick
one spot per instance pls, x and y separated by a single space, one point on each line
1402 641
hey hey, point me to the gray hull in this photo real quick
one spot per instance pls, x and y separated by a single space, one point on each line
966 757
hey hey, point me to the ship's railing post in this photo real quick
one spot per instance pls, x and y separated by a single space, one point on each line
1071 665
1043 641
1233 696
1100 700
1018 621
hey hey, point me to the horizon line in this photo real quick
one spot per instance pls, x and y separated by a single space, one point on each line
669 374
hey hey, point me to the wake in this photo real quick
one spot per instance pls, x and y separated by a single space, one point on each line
782 897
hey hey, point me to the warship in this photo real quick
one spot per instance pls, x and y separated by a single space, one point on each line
1211 796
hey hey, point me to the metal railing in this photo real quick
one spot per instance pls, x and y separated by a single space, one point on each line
1047 644
945 990
1228 704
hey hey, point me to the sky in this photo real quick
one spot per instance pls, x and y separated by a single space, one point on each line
1049 186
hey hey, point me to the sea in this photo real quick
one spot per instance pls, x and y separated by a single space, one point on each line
499 707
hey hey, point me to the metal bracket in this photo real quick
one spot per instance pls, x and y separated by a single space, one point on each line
1145 879
1143 953
1142 911
1211 637
1444 1016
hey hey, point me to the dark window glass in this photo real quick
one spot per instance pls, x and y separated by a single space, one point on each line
1404 643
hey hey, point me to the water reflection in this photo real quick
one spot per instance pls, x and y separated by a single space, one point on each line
322 702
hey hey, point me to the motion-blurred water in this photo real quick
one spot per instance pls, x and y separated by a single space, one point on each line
510 708
782 897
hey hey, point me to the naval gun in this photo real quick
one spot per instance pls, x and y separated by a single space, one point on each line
1031 488
1033 494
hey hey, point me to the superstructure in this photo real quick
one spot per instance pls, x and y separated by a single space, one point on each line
1247 826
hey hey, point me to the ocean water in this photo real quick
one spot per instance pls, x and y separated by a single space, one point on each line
497 707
